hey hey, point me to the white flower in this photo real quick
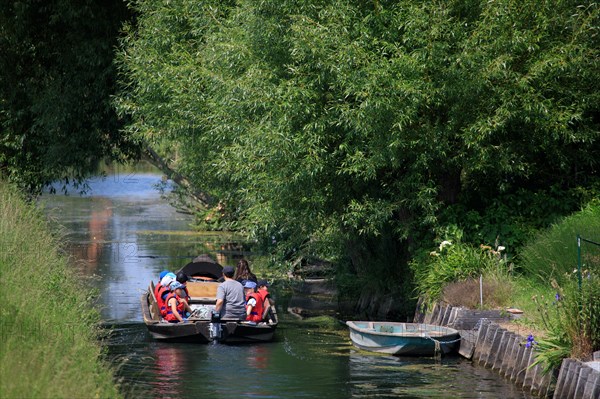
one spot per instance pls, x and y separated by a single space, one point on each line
433 253
444 244
501 248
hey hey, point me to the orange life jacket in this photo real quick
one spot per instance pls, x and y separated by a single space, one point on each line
257 310
180 307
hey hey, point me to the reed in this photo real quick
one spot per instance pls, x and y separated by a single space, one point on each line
48 327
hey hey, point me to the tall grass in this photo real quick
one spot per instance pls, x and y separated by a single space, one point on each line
48 332
571 314
553 252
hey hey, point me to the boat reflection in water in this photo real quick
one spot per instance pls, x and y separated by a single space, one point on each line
169 367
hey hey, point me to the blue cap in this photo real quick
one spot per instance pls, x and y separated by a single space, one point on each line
228 271
162 274
250 284
175 284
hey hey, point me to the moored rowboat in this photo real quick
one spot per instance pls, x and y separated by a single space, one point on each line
403 338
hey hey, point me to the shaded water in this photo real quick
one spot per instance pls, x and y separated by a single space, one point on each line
124 233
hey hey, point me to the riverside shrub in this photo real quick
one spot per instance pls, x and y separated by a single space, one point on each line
455 262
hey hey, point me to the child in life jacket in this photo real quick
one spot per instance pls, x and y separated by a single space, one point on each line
263 291
161 291
183 278
177 306
158 284
254 302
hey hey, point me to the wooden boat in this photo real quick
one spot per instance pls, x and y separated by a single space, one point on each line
403 338
200 327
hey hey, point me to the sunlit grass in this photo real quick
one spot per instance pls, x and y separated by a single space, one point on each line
48 327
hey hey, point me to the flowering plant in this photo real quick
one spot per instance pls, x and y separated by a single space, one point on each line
531 342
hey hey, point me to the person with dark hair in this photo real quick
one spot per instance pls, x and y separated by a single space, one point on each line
243 273
230 297
183 278
263 290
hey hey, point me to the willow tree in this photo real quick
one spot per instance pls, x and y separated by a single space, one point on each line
56 79
359 130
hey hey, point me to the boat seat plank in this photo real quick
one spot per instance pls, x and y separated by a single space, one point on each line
202 290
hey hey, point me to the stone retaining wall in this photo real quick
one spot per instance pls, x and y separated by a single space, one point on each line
489 345
577 380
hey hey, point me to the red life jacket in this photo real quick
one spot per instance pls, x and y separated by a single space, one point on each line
156 288
264 294
180 307
160 293
257 310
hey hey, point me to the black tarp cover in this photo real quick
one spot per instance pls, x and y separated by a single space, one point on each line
204 266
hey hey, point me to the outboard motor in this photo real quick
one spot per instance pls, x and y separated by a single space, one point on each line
215 326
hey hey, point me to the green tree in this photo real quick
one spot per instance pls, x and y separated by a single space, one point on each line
56 78
358 130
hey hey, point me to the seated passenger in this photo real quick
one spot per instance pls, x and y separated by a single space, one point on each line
157 286
183 278
263 291
176 305
230 297
254 302
243 272
161 292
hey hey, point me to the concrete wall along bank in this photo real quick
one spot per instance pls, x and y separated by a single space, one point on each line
489 345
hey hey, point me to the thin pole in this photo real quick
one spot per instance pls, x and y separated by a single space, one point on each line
481 290
579 261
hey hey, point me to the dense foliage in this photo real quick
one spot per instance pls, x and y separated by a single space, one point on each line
361 130
56 78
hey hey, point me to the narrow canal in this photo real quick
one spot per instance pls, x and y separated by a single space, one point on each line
123 233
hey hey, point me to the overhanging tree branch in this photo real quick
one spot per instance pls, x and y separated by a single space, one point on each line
158 161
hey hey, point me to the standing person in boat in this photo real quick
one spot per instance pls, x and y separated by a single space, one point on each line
254 302
176 305
230 297
243 272
263 290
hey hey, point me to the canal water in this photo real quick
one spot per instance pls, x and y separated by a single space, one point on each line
122 233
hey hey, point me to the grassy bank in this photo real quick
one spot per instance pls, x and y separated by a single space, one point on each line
560 304
49 345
